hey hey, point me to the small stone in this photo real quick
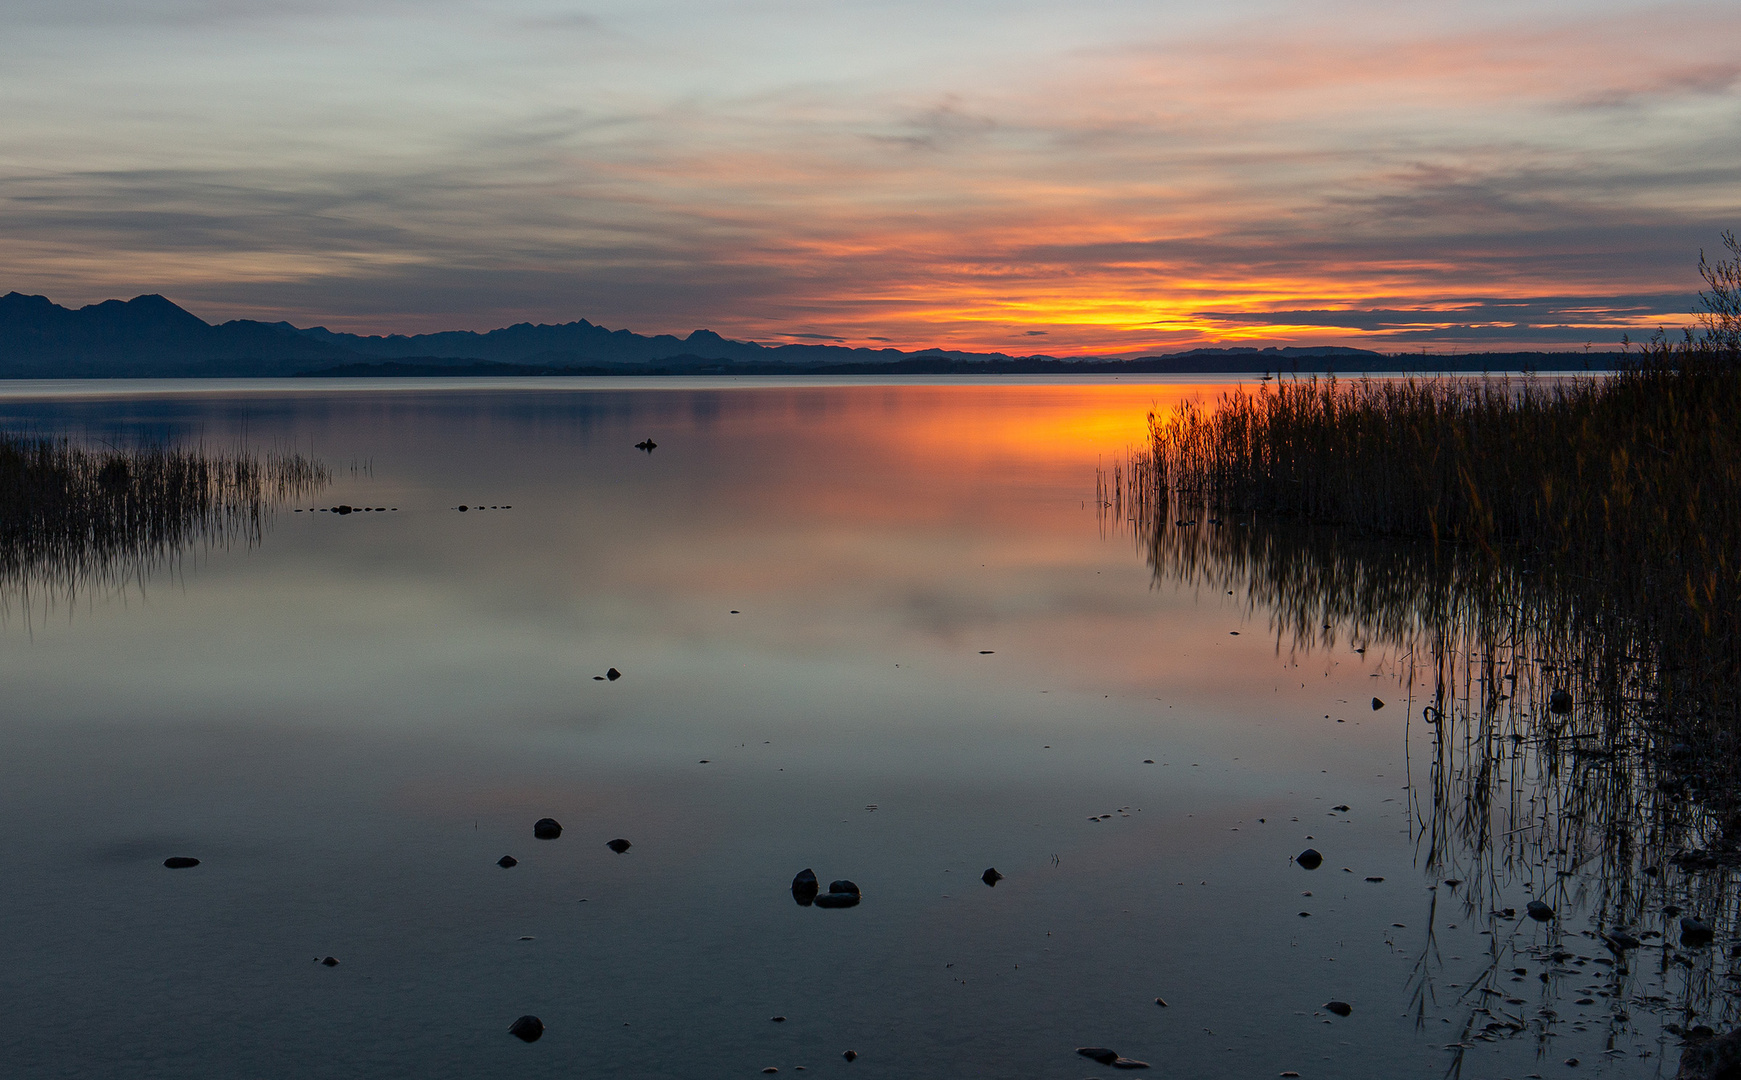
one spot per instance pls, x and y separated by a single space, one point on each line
1340 1008
991 876
1148 761
463 508
1620 941
619 845
804 887
843 886
506 861
613 674
1573 1062
1309 859
527 1029
1377 704
1560 701
1290 1072
1101 1054
837 900
331 961
1375 880
1341 809
778 1019
1695 932
546 828
1128 1063
770 1069
1539 911
850 1055
1162 1002
180 862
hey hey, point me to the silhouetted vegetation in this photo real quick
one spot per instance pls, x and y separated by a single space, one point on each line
1553 567
73 517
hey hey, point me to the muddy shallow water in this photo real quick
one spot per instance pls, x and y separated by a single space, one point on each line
884 631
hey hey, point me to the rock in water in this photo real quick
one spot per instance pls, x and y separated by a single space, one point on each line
1712 1059
1539 911
1696 931
1620 941
619 845
546 828
837 900
991 876
1127 1063
613 674
1560 701
850 1055
180 862
527 1029
1309 859
506 861
843 886
1377 704
1340 1008
1101 1054
804 887
331 961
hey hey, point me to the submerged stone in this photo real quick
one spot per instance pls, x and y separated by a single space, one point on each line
619 845
1102 1054
180 862
331 961
837 900
527 1029
1696 931
1127 1063
1539 911
1340 1008
1309 859
1620 940
843 886
506 861
546 828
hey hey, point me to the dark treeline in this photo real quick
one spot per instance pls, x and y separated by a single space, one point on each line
73 517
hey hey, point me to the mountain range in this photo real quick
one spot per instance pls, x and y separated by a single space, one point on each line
151 337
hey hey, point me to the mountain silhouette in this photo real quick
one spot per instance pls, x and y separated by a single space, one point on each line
151 337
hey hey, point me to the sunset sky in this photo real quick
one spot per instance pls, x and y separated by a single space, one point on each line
1100 176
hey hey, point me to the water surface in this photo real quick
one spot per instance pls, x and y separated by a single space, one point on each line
885 631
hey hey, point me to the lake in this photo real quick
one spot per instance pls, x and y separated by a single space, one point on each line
887 631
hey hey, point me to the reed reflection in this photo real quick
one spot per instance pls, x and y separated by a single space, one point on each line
1582 756
73 518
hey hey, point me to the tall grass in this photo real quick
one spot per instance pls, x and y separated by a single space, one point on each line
73 517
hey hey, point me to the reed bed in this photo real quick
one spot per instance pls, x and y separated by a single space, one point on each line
1552 568
73 517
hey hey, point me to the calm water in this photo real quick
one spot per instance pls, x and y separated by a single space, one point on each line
883 631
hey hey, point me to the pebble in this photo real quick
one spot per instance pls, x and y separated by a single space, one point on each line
770 1069
1377 704
850 1055
1102 1054
1375 880
180 862
1309 859
1162 1002
527 1029
506 861
778 1019
843 886
1128 1063
1696 931
547 828
331 961
1560 701
619 845
1340 1008
837 900
991 876
1539 911
1620 941
613 674
804 887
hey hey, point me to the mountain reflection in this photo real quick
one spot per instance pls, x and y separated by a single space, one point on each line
1573 760
74 519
